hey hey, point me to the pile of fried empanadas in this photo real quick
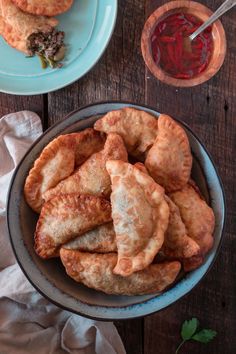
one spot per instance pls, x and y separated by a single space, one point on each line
29 26
118 206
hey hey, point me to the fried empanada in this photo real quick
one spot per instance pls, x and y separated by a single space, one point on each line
95 271
141 167
87 142
65 217
1 21
100 240
199 221
44 7
169 161
137 128
55 163
92 177
18 25
140 215
177 243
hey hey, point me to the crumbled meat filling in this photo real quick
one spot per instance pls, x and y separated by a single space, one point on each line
48 46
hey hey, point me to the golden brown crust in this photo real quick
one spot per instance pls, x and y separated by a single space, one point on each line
55 163
18 25
87 142
99 240
92 177
44 7
193 262
141 167
140 215
199 221
137 128
1 22
66 217
177 243
95 271
169 161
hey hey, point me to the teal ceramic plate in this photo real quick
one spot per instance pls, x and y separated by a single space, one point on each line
49 276
88 27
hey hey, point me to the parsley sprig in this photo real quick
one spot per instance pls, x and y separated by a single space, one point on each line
190 331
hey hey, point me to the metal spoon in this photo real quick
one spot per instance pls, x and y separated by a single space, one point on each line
227 5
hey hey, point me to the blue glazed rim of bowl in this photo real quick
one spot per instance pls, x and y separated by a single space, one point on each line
147 305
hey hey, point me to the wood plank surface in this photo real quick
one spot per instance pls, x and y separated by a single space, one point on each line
210 110
119 75
13 103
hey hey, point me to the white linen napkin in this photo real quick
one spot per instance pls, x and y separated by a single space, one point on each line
28 322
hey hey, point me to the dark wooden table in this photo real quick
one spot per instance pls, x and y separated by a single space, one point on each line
210 110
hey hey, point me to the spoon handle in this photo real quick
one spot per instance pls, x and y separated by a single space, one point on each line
227 5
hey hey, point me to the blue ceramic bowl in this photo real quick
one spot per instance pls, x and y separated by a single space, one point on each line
49 277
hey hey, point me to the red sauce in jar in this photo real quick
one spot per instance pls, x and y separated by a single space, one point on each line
170 51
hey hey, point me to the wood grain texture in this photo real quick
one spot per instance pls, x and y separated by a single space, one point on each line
12 103
119 74
210 110
131 333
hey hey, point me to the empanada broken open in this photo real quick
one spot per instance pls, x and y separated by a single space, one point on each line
65 217
18 25
199 221
169 161
140 215
137 128
96 271
92 177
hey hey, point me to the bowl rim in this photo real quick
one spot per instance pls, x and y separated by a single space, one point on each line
160 74
78 312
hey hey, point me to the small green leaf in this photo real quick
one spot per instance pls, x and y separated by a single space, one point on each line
204 336
189 328
43 61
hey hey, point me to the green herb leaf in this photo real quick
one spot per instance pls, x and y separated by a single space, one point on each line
204 336
51 63
43 61
189 328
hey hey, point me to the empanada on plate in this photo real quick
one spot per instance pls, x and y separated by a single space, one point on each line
44 7
137 128
18 25
65 217
169 161
199 221
92 177
95 271
56 162
140 216
99 240
177 243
